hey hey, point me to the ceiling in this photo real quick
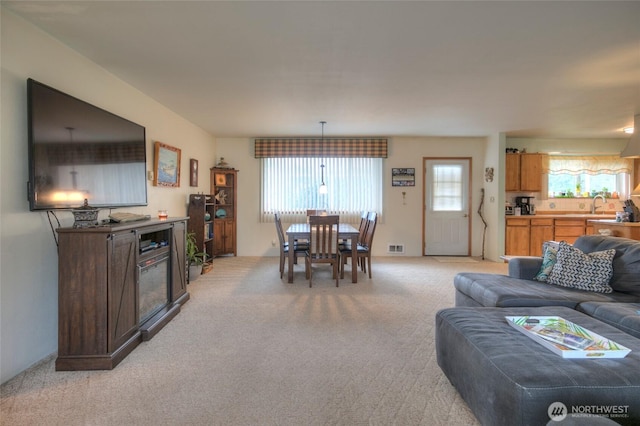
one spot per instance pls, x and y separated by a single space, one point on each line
385 68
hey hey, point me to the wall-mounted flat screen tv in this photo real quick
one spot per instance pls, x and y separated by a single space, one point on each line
78 151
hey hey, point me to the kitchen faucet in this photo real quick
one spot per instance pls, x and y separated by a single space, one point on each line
593 203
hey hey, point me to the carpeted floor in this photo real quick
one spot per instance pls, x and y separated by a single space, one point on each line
454 259
250 349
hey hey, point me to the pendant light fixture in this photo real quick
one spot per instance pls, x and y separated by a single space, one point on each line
323 187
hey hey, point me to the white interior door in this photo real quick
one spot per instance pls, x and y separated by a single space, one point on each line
446 211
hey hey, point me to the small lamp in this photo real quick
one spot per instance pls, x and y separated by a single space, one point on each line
323 187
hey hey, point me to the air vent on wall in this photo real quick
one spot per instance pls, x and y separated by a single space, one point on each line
395 248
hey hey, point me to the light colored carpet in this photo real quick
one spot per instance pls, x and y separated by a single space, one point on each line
454 259
250 349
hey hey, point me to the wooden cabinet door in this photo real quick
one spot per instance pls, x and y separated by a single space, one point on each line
541 231
178 262
569 229
224 237
531 172
122 298
517 237
230 240
218 237
512 172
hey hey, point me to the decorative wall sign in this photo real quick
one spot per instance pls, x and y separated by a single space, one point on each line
488 174
193 172
403 177
167 165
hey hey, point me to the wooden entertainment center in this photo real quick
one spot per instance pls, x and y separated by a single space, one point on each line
118 285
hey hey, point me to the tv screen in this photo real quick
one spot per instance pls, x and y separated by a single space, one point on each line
78 151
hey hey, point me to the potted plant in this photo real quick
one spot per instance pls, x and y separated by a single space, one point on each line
195 258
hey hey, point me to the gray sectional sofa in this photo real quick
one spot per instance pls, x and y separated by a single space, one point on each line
508 379
519 289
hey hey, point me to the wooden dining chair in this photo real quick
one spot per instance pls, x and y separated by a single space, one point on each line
299 248
364 221
364 249
323 246
316 212
345 244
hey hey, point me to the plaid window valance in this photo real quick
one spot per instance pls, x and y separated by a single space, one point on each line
316 147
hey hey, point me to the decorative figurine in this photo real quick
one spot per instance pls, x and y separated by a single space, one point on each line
221 197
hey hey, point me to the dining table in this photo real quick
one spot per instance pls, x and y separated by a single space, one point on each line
302 231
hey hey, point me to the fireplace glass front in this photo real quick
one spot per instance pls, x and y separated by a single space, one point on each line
153 286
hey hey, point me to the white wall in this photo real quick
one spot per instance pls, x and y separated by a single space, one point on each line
569 146
495 197
400 223
28 266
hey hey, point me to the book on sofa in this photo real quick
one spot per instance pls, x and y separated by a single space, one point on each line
567 339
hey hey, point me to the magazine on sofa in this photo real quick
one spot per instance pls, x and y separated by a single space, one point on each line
566 338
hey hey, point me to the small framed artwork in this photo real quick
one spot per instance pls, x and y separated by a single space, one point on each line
193 172
403 177
167 165
221 179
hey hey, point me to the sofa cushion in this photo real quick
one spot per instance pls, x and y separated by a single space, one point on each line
492 290
576 269
549 258
626 263
624 316
524 267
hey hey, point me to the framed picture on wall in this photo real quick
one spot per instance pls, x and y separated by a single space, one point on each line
193 172
403 177
166 165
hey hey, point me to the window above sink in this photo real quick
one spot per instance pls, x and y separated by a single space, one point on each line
588 176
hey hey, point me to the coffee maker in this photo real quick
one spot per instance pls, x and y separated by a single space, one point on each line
526 208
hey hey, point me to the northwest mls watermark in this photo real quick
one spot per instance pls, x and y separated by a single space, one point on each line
557 411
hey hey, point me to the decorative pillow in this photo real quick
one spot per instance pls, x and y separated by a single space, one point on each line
549 257
576 269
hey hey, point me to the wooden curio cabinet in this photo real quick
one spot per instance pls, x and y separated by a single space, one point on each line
224 190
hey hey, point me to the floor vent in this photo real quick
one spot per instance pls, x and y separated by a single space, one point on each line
395 248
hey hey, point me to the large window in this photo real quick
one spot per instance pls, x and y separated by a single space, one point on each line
582 176
290 186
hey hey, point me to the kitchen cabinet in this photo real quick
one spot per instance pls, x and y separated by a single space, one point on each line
517 242
541 230
523 172
617 229
569 229
512 172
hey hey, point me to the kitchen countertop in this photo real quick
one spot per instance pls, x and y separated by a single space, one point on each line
568 216
613 222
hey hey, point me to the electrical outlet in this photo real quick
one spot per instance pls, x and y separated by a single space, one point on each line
273 243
